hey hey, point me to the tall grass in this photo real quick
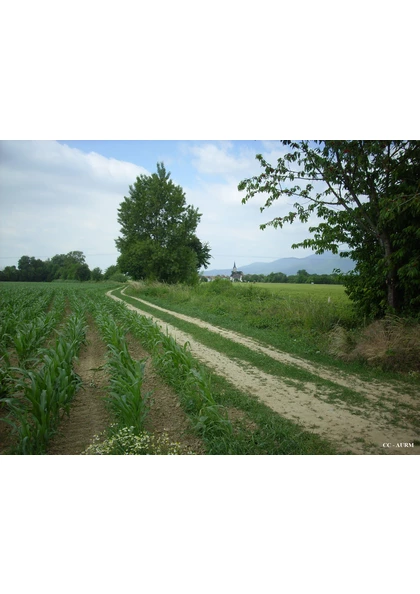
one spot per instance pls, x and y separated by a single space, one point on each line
390 344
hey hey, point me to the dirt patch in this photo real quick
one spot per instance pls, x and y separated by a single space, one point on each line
305 403
88 415
239 417
6 437
165 414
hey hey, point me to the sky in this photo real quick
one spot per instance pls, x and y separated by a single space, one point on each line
171 83
58 196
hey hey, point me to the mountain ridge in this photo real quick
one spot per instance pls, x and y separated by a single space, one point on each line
313 264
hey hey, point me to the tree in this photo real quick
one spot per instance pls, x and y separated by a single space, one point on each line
113 269
302 276
56 267
82 272
96 274
10 273
158 238
77 257
276 277
71 266
32 269
367 194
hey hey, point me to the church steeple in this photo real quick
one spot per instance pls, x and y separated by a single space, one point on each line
236 274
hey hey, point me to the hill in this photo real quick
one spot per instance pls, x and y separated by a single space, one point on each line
313 264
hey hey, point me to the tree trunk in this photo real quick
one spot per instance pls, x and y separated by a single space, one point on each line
391 279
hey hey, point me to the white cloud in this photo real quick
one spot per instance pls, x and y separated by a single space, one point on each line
218 159
55 199
233 229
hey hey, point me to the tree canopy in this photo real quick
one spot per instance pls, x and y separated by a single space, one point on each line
71 266
158 238
367 195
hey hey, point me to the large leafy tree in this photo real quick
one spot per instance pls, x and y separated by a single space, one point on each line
71 266
10 273
96 274
111 270
367 195
158 238
32 269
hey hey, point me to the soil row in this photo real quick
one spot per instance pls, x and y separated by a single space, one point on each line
89 415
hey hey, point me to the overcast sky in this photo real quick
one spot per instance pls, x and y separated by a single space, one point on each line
60 196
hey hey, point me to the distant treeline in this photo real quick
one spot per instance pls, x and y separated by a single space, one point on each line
61 267
301 277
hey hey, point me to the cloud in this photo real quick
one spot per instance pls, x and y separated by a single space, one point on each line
219 159
49 165
55 199
233 229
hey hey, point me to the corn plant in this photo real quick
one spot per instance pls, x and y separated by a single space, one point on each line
6 380
45 393
31 335
126 399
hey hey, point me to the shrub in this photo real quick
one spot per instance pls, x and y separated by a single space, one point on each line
118 277
219 286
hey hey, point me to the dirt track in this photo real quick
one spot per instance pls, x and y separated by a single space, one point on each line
356 429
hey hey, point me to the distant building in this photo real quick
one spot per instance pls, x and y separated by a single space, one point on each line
236 274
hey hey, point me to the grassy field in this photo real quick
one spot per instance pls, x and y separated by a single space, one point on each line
304 290
295 318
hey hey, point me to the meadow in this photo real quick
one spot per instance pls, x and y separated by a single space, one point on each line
305 290
293 317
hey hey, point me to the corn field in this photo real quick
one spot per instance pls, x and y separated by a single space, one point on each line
43 328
